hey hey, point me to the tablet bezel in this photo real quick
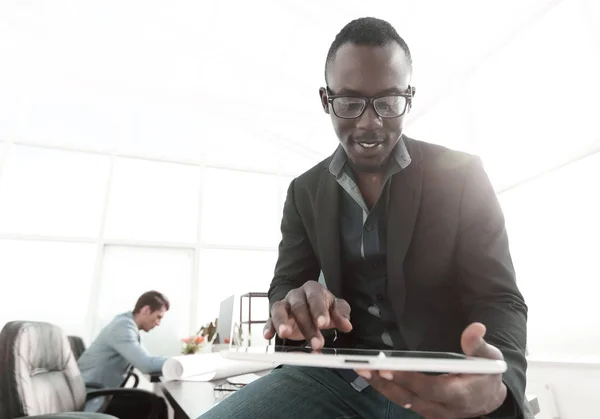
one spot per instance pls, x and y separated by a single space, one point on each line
418 361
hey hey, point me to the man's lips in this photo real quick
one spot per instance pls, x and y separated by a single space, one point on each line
367 147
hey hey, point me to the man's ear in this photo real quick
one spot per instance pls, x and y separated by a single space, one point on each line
413 91
324 101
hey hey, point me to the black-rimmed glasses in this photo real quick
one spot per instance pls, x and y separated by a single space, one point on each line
386 106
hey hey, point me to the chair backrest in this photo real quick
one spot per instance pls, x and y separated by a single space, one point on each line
38 372
77 346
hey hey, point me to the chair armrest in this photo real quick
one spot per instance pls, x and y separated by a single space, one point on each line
94 385
136 380
100 401
71 415
116 392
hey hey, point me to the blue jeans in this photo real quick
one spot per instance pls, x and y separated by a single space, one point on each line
303 392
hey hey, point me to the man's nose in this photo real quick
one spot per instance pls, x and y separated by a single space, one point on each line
369 120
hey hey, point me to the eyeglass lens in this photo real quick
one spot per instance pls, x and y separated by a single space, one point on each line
352 107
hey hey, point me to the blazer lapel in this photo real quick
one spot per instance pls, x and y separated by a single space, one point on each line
405 198
328 231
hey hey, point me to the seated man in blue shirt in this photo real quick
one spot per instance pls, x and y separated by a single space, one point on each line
118 345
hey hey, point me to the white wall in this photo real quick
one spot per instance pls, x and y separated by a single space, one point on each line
565 390
554 227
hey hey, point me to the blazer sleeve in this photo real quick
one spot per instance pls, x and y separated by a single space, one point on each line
489 292
297 262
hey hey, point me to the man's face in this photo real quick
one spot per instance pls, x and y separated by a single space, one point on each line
150 319
368 71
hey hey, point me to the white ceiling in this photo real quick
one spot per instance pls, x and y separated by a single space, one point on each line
196 80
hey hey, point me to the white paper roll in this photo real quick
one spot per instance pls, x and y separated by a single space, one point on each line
208 367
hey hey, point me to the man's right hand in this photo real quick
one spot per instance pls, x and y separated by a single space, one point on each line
305 311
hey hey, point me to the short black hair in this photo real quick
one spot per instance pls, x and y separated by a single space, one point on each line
366 31
154 299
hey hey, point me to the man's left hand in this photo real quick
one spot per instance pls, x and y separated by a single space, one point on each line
448 396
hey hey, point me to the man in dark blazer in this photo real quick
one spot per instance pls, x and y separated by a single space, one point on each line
411 243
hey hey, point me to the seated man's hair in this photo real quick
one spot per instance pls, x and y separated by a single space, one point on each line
366 31
154 299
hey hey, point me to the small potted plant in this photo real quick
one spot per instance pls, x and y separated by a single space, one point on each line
209 332
201 341
192 344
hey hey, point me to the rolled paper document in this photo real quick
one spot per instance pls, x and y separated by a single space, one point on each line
208 367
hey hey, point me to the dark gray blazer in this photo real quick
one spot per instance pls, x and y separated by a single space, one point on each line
448 258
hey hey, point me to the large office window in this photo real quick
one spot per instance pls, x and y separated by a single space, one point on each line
140 218
227 272
46 281
240 209
59 112
173 128
153 201
52 192
127 272
236 143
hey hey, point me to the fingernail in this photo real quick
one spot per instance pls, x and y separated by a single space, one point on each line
321 321
387 375
364 374
282 329
407 406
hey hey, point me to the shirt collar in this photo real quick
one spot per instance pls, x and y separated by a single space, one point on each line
400 159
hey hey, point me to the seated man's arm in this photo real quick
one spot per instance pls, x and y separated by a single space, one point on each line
296 263
125 342
489 293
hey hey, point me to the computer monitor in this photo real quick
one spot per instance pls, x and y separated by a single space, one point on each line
225 324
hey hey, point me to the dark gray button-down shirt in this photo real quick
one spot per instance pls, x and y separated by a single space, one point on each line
363 252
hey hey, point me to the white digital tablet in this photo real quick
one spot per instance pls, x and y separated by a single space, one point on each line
426 362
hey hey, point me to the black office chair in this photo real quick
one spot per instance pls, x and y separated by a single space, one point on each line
130 374
78 348
39 376
72 415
